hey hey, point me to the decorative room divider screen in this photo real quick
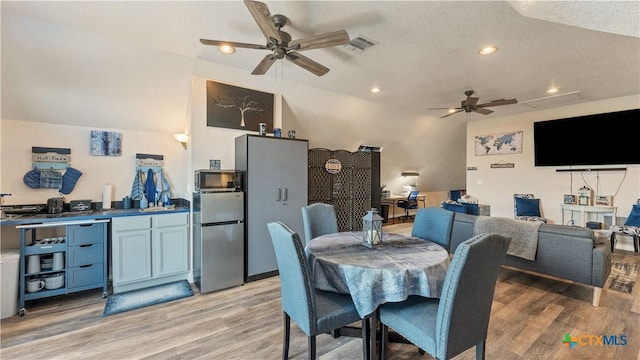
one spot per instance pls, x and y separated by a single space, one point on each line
345 180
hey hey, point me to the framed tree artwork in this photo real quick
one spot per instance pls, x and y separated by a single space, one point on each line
234 107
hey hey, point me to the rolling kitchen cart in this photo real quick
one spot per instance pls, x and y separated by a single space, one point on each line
80 244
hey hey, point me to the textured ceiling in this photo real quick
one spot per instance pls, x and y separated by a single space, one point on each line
427 51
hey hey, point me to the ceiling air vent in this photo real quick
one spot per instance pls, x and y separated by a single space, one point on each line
360 43
554 100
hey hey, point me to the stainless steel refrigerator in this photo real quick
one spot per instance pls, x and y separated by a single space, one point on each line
218 252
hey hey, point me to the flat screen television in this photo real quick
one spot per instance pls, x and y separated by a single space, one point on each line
599 139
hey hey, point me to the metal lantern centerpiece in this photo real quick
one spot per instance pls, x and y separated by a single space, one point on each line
372 229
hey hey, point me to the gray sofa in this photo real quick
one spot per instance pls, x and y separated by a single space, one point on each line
567 252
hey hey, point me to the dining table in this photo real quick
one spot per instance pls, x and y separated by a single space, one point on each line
399 267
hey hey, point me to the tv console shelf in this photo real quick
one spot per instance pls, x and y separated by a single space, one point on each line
590 169
586 210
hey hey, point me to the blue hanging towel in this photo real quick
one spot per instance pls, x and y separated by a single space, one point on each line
137 190
150 188
164 189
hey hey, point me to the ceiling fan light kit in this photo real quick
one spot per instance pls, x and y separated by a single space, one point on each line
281 44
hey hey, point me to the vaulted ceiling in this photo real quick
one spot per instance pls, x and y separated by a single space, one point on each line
425 53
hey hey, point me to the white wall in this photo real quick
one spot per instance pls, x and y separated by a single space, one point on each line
430 145
19 136
495 187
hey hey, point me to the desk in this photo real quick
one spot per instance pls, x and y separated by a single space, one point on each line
583 209
391 272
393 201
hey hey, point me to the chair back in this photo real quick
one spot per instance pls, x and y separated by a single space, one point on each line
296 290
434 224
413 197
319 219
465 302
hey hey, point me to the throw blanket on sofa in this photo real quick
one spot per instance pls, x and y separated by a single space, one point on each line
523 234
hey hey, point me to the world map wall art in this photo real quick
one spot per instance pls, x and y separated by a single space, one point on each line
499 144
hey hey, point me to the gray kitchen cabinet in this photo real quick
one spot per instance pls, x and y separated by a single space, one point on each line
275 182
149 250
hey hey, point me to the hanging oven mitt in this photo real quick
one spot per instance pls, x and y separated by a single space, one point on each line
69 180
150 188
32 179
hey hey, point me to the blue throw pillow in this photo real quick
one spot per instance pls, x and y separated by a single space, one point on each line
527 207
634 217
455 207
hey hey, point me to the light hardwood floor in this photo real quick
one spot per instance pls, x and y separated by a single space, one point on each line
529 318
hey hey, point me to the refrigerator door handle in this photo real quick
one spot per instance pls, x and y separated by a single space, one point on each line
284 194
278 194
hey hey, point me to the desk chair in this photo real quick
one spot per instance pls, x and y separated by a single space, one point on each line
410 204
314 311
459 319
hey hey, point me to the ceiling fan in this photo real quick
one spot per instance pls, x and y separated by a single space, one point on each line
280 43
471 104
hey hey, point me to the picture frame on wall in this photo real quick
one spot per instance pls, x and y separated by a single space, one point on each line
570 199
105 143
234 107
499 144
214 164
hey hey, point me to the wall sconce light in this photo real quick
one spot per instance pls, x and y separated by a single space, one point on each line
182 139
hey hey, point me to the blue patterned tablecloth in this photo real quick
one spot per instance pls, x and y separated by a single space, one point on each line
391 272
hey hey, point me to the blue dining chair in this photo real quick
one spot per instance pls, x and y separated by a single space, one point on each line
319 219
434 224
459 320
314 311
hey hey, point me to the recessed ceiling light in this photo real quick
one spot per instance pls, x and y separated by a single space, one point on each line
375 90
488 50
553 90
227 49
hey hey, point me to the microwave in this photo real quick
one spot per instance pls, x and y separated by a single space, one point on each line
217 180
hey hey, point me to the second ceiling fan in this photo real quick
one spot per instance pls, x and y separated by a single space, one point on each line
280 43
471 104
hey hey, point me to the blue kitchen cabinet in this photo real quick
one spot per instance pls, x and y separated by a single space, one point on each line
84 265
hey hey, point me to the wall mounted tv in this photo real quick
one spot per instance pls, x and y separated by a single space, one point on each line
599 139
